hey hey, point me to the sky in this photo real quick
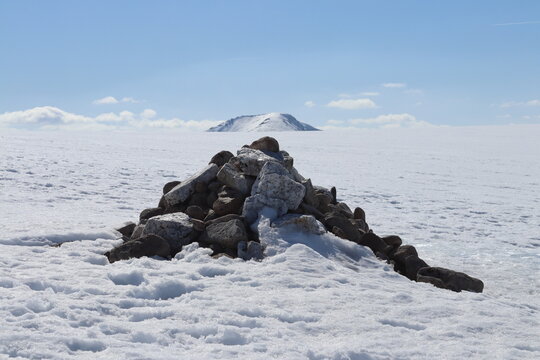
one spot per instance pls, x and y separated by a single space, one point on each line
191 64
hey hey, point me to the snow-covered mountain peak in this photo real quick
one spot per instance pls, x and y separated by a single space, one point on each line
264 122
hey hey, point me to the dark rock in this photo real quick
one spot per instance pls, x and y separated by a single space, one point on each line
169 186
226 205
198 225
265 143
201 187
361 224
148 245
250 250
333 191
148 213
137 232
449 279
163 203
400 255
227 234
195 212
339 232
375 243
349 229
412 265
344 209
210 216
175 209
199 199
221 158
359 214
224 218
309 197
210 198
213 186
127 229
393 240
311 210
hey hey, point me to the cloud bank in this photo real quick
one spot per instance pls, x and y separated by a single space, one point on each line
107 100
352 104
50 117
403 120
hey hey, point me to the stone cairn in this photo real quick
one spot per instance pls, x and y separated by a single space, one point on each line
217 207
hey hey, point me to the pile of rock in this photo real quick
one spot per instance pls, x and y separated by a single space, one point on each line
218 207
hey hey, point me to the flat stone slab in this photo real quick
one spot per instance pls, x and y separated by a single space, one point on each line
183 191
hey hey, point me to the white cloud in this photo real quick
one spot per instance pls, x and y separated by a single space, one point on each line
391 120
50 117
335 122
364 93
310 104
352 104
508 104
106 100
394 85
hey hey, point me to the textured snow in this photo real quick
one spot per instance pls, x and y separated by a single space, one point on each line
467 198
264 122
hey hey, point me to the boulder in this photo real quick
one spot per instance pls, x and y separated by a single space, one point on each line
198 225
265 143
412 265
251 161
176 228
296 175
275 182
333 191
127 229
310 210
393 240
148 245
226 234
224 218
349 229
288 163
199 199
449 279
221 158
195 212
183 191
339 232
151 212
309 197
375 243
250 250
137 232
227 205
254 205
359 214
231 177
210 198
303 223
169 186
201 187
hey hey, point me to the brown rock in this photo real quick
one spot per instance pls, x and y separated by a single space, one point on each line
221 158
148 245
151 212
195 212
228 205
359 214
265 143
169 186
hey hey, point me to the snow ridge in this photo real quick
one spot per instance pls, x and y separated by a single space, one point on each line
263 122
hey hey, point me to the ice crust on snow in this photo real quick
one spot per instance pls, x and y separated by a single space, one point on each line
465 197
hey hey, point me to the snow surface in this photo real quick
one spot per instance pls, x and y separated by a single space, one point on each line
467 198
264 122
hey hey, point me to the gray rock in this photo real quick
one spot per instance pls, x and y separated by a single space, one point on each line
449 279
227 234
169 186
198 199
227 205
151 212
250 161
266 143
148 245
304 223
296 175
230 176
345 210
221 158
137 232
275 182
176 228
127 229
309 197
183 191
254 205
250 250
224 218
195 212
375 243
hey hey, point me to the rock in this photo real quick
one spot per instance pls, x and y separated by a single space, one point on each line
344 210
255 205
127 229
227 234
211 215
309 197
227 205
175 209
169 186
198 225
137 232
221 158
288 163
250 250
392 240
163 203
339 232
201 187
449 279
402 252
251 161
306 224
349 229
275 182
183 191
148 213
361 224
310 210
375 243
333 191
195 212
324 198
210 198
296 175
230 176
176 228
224 218
148 245
266 143
359 214
412 265
213 186
199 199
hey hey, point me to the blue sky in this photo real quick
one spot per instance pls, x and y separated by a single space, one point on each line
329 63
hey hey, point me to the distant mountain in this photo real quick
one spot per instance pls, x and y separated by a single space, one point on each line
264 122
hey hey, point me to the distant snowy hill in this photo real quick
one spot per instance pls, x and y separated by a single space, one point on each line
263 122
